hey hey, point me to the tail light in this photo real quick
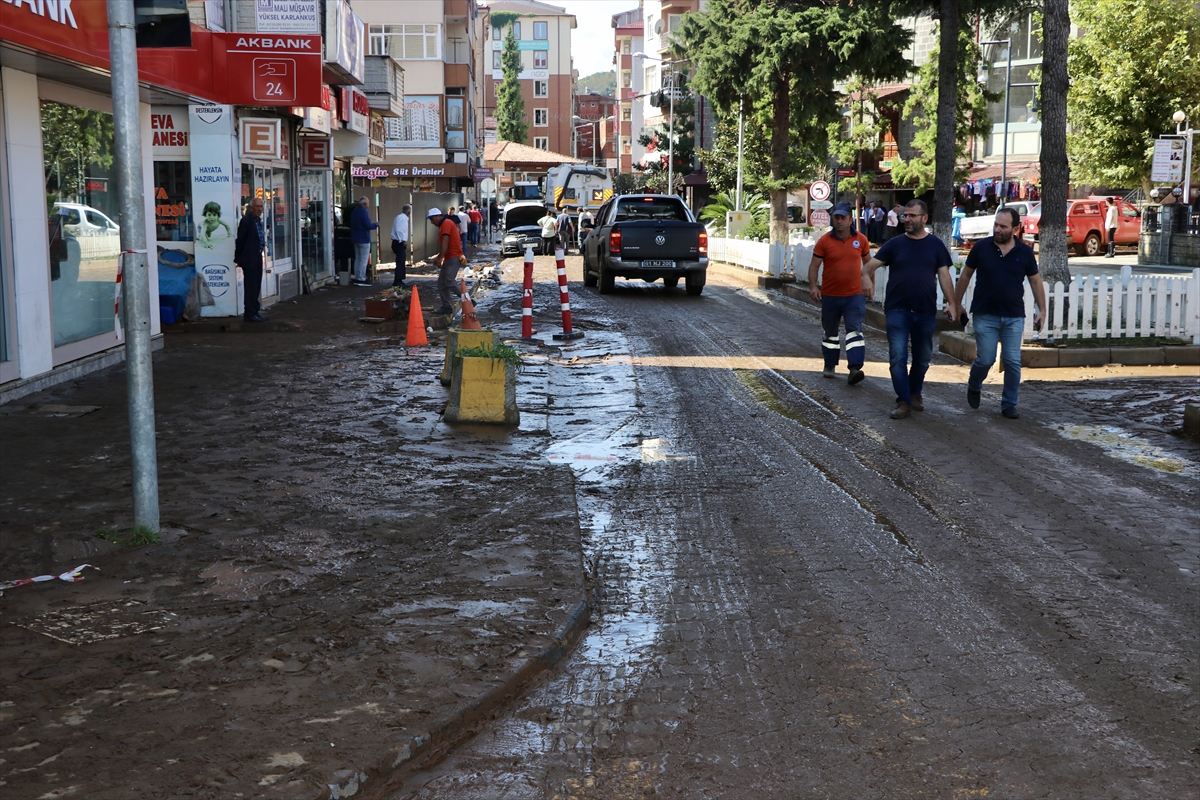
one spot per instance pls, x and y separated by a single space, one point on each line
614 242
703 242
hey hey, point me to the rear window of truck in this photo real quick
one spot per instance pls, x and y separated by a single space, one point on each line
651 208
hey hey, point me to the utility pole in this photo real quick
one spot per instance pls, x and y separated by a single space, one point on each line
135 280
741 137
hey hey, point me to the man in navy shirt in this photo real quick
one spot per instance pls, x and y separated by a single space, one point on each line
916 262
248 254
1002 262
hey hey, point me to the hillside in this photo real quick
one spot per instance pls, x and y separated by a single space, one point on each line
601 82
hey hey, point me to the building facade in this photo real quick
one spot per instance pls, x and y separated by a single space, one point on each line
547 76
628 38
594 117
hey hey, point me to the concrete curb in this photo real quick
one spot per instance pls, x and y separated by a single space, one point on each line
388 773
962 346
875 316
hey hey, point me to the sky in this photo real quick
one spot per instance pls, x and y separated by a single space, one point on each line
592 39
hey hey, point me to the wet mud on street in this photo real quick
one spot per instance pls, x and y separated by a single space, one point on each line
806 599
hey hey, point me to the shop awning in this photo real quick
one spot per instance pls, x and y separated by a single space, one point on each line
1017 171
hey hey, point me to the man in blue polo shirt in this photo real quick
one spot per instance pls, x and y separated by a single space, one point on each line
1002 262
916 262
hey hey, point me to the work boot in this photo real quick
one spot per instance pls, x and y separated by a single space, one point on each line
901 411
856 376
917 403
828 372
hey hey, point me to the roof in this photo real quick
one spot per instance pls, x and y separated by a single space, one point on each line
529 7
885 91
517 153
1017 171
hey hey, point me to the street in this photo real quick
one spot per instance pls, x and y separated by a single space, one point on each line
806 599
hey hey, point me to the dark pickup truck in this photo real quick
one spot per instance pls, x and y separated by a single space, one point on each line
646 236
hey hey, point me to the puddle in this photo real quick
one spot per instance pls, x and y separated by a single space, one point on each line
656 450
53 410
227 579
1121 444
90 624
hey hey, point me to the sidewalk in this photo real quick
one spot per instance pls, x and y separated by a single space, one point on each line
340 572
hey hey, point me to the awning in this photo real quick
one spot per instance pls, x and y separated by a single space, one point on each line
1017 171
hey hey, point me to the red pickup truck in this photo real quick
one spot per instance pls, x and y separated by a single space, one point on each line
1085 224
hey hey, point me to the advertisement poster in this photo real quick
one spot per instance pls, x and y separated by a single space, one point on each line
1168 161
287 16
421 125
215 205
345 39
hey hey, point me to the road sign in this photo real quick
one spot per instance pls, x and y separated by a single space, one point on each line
824 204
819 190
819 218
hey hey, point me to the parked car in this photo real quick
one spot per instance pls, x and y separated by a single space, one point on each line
974 228
646 236
81 220
1085 225
520 228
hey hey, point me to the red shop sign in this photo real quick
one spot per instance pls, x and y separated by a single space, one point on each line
271 70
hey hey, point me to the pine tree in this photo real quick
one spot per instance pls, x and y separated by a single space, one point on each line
510 106
684 125
863 140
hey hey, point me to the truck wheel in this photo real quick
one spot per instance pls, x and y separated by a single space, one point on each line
671 282
695 283
1090 245
606 280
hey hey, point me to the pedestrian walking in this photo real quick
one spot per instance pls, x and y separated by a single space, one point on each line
956 218
361 226
916 262
549 225
1111 220
1001 264
565 230
864 220
449 258
839 291
877 220
474 218
400 236
248 254
893 223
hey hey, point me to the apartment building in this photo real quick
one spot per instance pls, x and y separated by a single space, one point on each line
594 119
547 76
628 38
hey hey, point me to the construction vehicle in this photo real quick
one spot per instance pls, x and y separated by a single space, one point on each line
578 186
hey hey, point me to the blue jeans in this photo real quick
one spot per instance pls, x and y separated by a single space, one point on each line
1007 332
362 252
852 309
903 325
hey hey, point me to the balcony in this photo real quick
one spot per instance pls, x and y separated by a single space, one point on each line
458 74
384 85
456 9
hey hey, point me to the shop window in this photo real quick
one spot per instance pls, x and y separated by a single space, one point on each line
541 142
541 88
173 201
540 30
541 58
281 209
81 206
407 42
541 117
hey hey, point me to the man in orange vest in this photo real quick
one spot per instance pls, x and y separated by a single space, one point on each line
839 291
449 258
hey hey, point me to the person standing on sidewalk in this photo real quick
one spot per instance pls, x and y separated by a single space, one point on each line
917 261
549 225
361 226
474 218
840 292
1111 220
565 229
464 224
893 223
400 235
449 258
1003 263
248 254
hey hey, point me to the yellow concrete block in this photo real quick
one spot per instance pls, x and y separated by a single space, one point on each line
458 339
483 390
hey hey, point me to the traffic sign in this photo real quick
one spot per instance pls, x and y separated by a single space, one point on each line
819 218
815 204
819 190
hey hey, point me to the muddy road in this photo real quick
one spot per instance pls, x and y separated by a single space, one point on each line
806 599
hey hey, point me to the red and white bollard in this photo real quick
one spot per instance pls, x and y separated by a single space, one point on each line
527 300
564 299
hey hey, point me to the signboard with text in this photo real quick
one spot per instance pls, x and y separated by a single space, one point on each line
215 208
272 70
1167 166
287 16
169 129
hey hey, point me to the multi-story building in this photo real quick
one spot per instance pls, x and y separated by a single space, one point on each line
594 127
628 38
547 76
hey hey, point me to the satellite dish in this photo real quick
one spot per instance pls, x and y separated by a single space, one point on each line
659 27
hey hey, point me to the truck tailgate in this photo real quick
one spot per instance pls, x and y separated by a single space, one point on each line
659 239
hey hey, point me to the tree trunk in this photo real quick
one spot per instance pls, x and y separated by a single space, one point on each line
1056 29
780 134
947 120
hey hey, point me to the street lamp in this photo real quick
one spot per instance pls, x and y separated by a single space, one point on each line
1184 129
575 136
671 124
1008 84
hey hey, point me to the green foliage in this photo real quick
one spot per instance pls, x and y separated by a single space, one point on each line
501 352
604 83
720 163
1137 63
73 139
865 137
141 536
684 125
970 112
759 229
510 106
629 183
725 202
503 19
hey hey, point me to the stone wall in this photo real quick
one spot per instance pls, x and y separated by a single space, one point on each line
1181 249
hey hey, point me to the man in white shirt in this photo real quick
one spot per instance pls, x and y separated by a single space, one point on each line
1111 220
400 244
464 224
893 222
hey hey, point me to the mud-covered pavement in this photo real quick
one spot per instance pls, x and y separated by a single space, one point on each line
798 596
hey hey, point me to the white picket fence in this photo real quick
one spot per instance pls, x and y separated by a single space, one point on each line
1089 307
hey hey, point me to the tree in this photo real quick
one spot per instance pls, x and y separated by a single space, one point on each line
683 121
73 139
971 118
510 106
1137 63
1056 31
725 202
863 139
783 57
721 162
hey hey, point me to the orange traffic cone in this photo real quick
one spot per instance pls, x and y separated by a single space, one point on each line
416 322
470 320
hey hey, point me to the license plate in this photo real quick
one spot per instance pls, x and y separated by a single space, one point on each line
658 264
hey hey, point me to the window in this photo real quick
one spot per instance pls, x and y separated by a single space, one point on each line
627 113
496 35
626 79
541 58
674 22
539 30
517 30
651 77
407 42
541 88
541 142
593 105
496 60
496 89
541 117
626 48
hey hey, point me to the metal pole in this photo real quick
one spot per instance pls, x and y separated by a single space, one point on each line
671 141
741 138
1187 169
139 369
1004 158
